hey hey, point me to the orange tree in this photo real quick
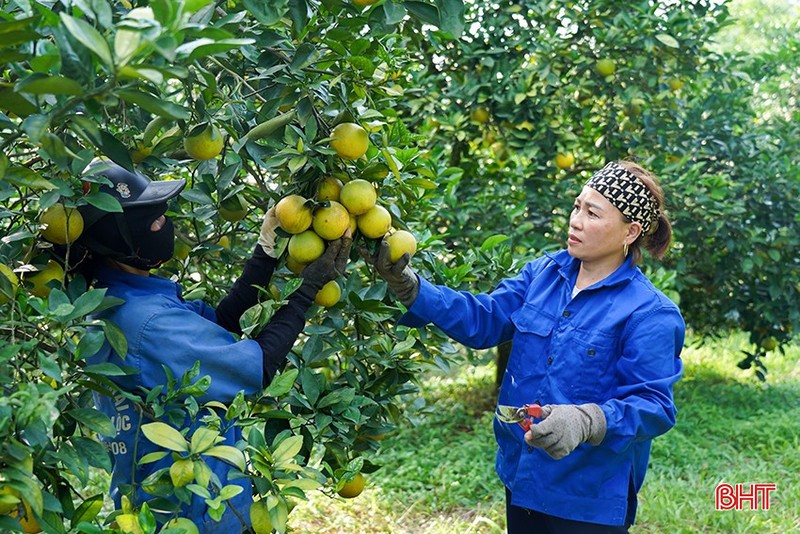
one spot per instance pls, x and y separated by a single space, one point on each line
240 98
536 96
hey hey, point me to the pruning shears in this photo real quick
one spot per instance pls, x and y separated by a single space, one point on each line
518 414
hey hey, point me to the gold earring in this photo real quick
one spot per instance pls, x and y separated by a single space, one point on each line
625 249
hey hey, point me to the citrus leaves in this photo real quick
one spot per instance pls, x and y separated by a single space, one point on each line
203 441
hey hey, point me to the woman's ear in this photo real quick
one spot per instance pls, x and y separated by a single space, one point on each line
634 231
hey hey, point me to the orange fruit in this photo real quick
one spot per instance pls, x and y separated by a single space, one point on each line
329 189
331 222
204 144
329 294
375 222
349 140
401 242
306 247
358 196
294 216
354 487
61 225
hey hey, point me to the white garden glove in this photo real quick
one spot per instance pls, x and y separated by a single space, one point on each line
267 236
565 426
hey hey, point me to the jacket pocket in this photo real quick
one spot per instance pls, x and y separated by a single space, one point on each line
593 366
531 341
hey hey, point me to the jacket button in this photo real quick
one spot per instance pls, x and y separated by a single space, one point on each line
591 352
566 313
550 360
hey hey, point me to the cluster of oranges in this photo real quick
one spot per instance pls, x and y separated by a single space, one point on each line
336 208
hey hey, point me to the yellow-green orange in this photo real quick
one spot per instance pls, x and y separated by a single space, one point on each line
306 247
401 242
295 266
9 499
233 209
182 522
329 294
331 222
294 216
375 223
364 3
606 67
61 225
206 144
329 189
354 487
358 196
41 279
182 249
565 160
349 140
479 114
6 271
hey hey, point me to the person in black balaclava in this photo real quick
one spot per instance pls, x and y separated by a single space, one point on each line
165 331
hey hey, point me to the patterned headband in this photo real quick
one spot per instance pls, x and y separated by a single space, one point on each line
627 193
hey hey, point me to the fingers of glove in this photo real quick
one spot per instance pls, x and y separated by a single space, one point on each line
344 253
366 256
383 263
399 266
547 409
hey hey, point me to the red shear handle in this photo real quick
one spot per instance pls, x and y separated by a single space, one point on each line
531 410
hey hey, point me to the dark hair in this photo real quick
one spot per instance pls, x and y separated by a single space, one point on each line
658 240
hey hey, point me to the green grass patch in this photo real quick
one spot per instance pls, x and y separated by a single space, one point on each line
438 472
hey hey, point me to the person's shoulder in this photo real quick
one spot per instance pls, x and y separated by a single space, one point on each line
651 297
556 259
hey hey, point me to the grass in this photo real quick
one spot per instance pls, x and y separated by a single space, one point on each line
438 474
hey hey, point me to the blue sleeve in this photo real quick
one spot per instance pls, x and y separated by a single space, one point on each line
179 337
477 321
643 406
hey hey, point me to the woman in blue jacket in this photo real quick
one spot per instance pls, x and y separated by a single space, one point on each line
594 343
164 331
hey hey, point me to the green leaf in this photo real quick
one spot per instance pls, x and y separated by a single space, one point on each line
87 303
165 436
156 106
88 37
423 12
104 369
492 241
267 13
230 491
13 102
104 202
282 383
205 47
202 439
41 84
287 449
668 40
94 420
90 343
229 454
451 16
25 177
88 510
115 338
335 397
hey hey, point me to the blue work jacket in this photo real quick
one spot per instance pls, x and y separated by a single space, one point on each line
162 329
616 344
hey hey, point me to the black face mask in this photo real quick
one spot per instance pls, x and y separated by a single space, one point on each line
127 237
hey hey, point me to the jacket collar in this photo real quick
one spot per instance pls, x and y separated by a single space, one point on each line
568 269
124 281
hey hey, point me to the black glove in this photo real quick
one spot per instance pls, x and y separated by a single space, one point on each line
327 267
402 279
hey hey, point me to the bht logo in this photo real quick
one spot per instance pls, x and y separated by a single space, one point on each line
732 497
